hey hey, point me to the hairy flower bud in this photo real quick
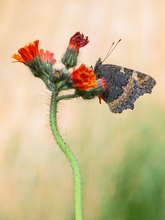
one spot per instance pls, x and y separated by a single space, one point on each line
76 42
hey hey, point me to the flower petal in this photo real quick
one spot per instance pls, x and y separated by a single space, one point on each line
83 78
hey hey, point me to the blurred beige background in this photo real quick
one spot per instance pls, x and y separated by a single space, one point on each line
35 178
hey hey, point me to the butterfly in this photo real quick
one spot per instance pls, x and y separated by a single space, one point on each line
124 85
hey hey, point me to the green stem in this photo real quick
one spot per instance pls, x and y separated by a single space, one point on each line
69 155
45 80
69 96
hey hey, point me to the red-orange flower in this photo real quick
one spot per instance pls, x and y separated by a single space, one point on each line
83 78
27 53
31 51
77 40
47 56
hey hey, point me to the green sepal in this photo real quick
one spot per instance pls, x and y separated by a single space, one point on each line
70 58
39 68
89 94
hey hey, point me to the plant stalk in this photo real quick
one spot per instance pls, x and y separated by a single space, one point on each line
69 155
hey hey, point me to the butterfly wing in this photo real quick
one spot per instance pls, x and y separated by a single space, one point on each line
124 86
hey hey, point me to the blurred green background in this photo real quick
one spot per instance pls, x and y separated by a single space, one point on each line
121 155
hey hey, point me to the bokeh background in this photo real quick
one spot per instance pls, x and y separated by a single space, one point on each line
121 155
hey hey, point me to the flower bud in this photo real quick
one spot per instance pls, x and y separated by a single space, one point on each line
76 42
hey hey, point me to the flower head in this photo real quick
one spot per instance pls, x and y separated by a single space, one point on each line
31 51
76 42
39 61
27 53
47 56
83 78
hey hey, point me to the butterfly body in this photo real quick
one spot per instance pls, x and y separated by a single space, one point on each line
124 85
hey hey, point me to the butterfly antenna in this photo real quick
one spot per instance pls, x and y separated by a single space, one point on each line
111 49
106 56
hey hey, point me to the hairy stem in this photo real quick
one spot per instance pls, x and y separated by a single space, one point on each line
69 155
69 96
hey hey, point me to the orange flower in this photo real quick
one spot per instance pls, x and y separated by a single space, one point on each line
30 51
77 40
84 78
27 53
47 56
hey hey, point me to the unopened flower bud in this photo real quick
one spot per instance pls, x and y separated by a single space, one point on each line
76 42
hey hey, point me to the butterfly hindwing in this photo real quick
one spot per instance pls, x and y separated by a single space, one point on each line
124 85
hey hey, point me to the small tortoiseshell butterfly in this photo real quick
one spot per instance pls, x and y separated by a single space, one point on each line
124 85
